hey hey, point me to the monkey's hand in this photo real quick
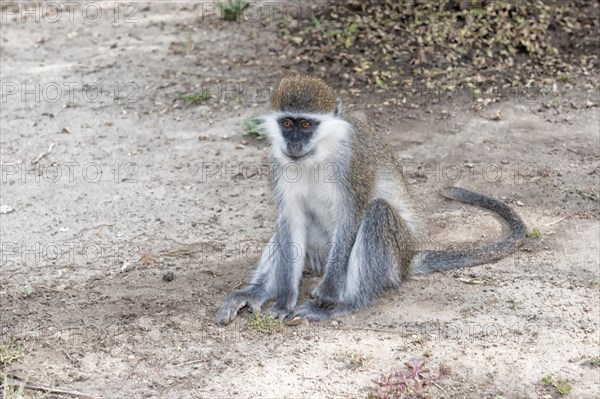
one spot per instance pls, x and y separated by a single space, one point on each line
235 301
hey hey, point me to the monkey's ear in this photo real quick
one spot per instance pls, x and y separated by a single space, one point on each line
338 107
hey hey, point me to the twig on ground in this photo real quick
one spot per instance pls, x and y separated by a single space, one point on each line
43 154
13 380
556 221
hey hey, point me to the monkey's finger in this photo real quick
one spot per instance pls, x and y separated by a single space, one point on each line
252 307
225 316
229 310
311 311
303 310
278 313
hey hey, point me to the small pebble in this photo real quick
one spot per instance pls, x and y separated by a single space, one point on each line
168 276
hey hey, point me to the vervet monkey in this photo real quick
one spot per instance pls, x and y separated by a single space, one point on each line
347 213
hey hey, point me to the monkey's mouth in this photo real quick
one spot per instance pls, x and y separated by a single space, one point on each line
297 157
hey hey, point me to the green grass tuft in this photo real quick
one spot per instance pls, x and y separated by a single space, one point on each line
563 387
263 323
232 10
197 98
535 232
252 127
11 349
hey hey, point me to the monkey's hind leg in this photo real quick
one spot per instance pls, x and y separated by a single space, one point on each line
379 260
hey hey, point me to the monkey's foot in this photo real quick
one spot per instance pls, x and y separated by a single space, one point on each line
311 311
325 298
234 302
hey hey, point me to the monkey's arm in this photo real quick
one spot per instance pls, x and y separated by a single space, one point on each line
291 236
277 275
260 289
328 293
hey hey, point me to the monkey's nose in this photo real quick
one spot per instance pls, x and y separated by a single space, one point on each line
295 147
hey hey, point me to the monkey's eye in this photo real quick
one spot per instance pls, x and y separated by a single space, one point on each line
305 125
287 124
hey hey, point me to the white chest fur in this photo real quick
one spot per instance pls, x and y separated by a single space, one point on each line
311 193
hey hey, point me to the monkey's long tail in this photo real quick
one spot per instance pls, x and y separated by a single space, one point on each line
435 261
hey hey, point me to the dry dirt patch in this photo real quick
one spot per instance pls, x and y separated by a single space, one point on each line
150 247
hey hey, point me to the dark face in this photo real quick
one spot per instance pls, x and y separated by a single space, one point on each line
297 134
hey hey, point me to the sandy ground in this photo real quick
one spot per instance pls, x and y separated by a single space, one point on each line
139 184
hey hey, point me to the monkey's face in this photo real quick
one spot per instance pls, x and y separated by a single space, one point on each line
297 134
305 137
